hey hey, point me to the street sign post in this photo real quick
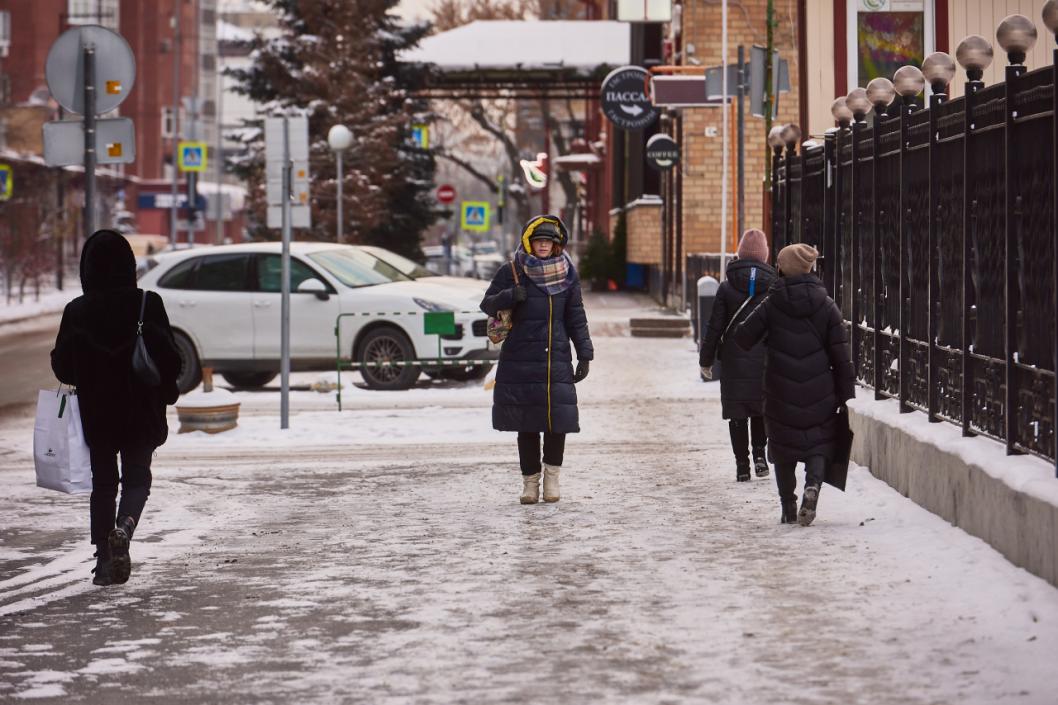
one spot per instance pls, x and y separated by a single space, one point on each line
7 182
287 182
475 216
191 156
90 70
446 193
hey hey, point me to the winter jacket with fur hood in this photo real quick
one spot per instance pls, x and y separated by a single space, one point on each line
93 350
809 372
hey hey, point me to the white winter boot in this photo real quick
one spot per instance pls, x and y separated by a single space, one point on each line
530 489
551 493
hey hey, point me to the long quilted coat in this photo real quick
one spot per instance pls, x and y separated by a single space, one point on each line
809 370
742 376
534 382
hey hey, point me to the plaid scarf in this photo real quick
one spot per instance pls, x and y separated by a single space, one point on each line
554 275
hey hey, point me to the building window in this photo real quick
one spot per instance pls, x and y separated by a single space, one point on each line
884 35
168 123
5 89
5 33
102 12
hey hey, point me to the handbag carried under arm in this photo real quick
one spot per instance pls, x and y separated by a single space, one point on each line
500 325
143 366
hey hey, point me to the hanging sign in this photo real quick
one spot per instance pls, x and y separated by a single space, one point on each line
624 99
662 152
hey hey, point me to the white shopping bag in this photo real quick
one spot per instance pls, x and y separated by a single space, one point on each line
60 453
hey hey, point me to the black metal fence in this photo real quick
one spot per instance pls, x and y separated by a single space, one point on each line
937 233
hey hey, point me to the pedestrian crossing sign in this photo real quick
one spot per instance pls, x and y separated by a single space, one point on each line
475 216
420 135
7 182
191 156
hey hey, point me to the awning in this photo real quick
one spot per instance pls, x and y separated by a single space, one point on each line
523 57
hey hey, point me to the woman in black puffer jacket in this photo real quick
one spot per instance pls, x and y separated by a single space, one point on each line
534 392
120 415
742 378
809 376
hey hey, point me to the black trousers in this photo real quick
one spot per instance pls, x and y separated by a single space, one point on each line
740 437
815 467
529 450
135 483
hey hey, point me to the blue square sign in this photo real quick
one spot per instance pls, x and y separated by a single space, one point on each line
7 182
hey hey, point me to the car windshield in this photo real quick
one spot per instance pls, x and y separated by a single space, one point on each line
401 263
356 268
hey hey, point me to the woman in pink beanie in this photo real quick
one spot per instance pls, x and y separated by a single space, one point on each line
742 378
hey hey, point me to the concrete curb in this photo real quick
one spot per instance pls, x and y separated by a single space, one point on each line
936 474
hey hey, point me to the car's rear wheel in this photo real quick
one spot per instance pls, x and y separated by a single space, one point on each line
190 367
249 380
381 353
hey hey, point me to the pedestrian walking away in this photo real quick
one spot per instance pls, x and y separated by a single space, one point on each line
534 393
742 378
122 401
808 376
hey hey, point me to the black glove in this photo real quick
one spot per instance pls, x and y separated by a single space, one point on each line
582 371
519 293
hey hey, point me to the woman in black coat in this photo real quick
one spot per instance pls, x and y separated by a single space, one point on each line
742 377
809 376
534 391
120 414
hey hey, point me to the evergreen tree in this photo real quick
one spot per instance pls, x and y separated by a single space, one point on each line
337 62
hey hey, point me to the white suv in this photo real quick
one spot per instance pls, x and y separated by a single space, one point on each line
224 306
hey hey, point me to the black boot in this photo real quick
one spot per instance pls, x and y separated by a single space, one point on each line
742 471
102 570
808 505
789 512
120 536
739 430
760 462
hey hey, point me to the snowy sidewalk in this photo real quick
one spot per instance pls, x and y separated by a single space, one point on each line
380 556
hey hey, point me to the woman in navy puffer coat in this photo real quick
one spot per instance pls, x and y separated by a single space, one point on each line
534 392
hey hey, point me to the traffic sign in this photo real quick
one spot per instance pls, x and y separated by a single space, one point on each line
624 99
115 68
290 136
420 135
164 201
7 182
475 216
446 193
191 156
64 142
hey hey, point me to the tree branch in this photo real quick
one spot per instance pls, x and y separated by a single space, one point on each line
470 169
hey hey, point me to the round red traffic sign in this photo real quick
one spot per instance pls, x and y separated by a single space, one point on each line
446 193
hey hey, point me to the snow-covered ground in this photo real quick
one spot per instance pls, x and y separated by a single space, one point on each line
50 301
380 555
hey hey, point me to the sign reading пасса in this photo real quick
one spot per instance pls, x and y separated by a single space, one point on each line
624 99
662 152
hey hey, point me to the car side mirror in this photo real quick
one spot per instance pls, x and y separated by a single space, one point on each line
314 286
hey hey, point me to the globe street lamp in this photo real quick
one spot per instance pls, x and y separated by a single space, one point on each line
939 70
340 138
1017 36
975 55
909 82
857 102
840 110
1050 16
880 94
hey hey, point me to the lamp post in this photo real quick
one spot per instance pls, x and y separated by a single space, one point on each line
974 54
858 103
841 112
340 138
909 81
1017 35
776 144
880 94
939 70
791 135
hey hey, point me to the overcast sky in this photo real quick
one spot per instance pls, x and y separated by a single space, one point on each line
414 9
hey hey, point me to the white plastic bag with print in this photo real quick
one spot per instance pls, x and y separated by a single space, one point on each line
60 453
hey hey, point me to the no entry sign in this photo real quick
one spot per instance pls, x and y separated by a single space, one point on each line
446 193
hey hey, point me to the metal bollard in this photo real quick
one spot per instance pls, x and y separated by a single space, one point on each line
707 288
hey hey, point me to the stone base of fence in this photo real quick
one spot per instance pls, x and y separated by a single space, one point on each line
1011 502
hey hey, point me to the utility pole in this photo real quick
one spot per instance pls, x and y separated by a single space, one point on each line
176 123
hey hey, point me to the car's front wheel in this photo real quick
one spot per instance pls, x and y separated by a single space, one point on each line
249 380
382 353
190 367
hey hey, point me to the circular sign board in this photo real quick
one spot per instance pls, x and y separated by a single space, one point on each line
115 68
446 193
624 99
662 152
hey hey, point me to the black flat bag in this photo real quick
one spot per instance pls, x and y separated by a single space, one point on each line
143 366
837 471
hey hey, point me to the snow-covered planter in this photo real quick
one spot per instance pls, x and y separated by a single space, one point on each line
213 412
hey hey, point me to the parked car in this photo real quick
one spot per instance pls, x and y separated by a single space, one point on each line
419 272
224 306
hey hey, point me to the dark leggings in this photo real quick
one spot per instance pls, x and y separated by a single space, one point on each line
529 450
135 488
740 431
815 467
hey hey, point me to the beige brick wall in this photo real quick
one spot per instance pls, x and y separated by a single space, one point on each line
644 231
703 155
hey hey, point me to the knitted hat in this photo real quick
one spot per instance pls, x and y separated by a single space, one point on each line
753 245
548 227
797 259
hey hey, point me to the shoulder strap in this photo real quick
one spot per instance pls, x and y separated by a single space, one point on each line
514 271
734 318
143 309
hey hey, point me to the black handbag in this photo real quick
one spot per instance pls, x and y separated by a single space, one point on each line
143 366
837 471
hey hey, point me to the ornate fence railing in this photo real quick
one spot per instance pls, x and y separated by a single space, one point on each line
937 232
